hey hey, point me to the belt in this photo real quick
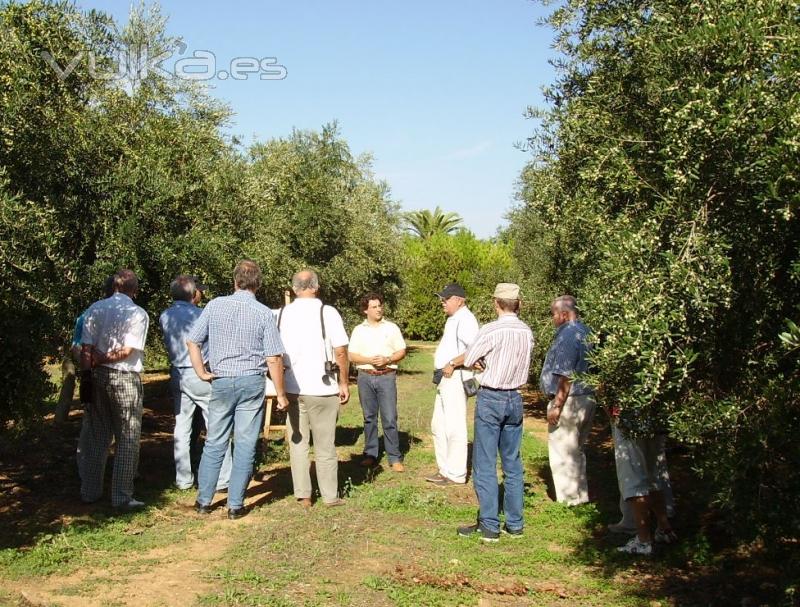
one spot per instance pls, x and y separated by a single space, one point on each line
377 371
499 389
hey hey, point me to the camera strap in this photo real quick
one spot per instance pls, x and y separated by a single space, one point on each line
322 324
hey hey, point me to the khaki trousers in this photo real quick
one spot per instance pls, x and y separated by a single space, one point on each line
565 443
313 417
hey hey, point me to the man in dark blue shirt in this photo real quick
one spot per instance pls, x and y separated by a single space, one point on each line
571 408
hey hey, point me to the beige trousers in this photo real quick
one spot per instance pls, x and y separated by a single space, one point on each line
313 416
565 443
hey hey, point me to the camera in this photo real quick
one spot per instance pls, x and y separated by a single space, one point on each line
331 368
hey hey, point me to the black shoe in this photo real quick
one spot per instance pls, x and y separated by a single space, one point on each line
234 513
200 509
512 532
485 534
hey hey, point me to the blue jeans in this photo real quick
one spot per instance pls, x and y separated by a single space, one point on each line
236 403
378 393
189 393
498 427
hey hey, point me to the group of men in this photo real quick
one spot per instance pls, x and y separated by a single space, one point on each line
220 355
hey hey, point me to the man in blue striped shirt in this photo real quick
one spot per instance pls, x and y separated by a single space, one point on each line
504 348
571 408
243 341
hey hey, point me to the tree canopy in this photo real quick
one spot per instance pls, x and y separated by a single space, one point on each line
664 193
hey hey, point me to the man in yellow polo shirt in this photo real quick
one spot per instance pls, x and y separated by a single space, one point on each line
376 346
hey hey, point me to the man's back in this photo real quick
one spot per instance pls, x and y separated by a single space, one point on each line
240 333
114 323
176 323
509 344
301 332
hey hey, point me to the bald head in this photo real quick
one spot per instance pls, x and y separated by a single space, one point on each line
305 283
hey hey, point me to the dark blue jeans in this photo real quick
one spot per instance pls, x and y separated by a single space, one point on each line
378 393
498 427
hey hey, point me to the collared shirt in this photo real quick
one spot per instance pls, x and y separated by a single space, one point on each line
176 322
114 323
383 339
567 356
301 332
506 346
241 334
460 331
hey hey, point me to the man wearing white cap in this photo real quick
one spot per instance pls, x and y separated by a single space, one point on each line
504 349
449 422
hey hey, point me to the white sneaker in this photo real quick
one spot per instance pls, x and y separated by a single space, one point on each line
621 529
634 546
133 504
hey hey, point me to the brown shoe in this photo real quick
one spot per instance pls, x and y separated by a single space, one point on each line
398 467
305 502
334 503
444 482
368 461
435 478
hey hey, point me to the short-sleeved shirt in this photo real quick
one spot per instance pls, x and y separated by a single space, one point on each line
460 331
567 356
176 322
301 331
77 332
506 346
241 334
383 339
114 323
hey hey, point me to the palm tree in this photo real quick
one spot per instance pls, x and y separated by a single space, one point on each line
425 224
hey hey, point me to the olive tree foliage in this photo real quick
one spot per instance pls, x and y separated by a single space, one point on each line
312 204
429 264
664 194
97 174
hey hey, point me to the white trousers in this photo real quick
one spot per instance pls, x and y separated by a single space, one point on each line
449 427
565 443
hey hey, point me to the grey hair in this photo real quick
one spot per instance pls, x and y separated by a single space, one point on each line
305 280
566 303
182 288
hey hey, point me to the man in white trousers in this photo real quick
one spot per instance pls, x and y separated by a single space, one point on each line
449 422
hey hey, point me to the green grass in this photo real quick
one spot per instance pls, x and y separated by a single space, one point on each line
393 544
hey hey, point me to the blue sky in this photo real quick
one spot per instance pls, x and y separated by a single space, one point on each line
435 91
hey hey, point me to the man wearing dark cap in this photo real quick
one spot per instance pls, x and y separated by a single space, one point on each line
449 423
504 347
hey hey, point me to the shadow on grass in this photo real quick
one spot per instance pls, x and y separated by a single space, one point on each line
703 568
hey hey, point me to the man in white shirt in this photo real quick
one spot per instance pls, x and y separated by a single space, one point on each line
315 341
113 339
376 346
449 423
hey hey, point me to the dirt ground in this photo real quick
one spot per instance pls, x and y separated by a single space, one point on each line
39 494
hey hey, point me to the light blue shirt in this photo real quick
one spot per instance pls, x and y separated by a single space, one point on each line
567 356
240 332
77 333
176 322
